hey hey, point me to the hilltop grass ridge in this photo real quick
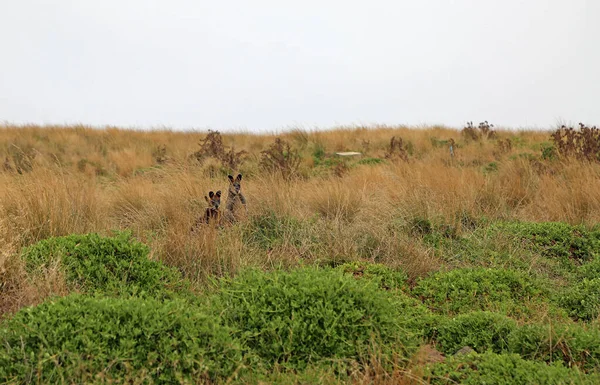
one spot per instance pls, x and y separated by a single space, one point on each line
494 246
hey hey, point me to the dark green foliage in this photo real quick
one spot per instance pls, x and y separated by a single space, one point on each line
79 339
318 153
481 331
572 344
554 239
464 290
294 318
112 265
385 277
549 152
502 369
582 300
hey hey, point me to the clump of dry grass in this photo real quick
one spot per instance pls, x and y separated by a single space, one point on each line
44 203
17 289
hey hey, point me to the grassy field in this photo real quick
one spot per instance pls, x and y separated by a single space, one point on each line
370 269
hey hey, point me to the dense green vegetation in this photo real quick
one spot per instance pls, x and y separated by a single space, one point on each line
529 315
115 265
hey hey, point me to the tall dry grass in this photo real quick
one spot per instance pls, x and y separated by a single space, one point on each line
88 180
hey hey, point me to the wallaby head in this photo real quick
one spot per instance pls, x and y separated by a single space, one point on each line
213 199
235 186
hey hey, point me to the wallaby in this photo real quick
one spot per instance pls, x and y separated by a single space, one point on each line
235 198
212 215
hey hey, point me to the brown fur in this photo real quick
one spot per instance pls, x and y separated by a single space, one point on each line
212 214
235 199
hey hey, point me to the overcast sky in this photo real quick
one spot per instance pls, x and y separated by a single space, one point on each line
268 65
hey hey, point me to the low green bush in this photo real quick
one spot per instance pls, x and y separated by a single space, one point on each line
386 277
112 265
572 344
502 369
481 331
465 290
589 270
305 315
554 239
582 300
78 339
416 317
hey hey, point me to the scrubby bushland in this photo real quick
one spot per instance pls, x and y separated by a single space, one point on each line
281 158
309 314
78 339
463 290
481 331
554 239
582 144
111 265
500 369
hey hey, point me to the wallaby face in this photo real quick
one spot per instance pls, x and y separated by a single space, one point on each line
212 214
235 185
213 199
212 211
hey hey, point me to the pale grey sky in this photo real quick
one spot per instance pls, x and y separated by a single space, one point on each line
266 65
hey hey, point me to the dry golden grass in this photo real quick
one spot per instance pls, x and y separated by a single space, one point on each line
91 180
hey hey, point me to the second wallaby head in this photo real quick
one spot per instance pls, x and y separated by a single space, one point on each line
235 186
214 199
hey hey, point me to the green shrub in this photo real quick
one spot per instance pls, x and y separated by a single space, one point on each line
113 265
572 344
385 277
76 338
589 270
465 290
554 239
416 317
549 152
294 318
502 369
582 301
481 331
318 153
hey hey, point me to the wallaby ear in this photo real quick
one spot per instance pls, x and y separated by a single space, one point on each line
218 194
206 199
230 177
211 194
239 177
